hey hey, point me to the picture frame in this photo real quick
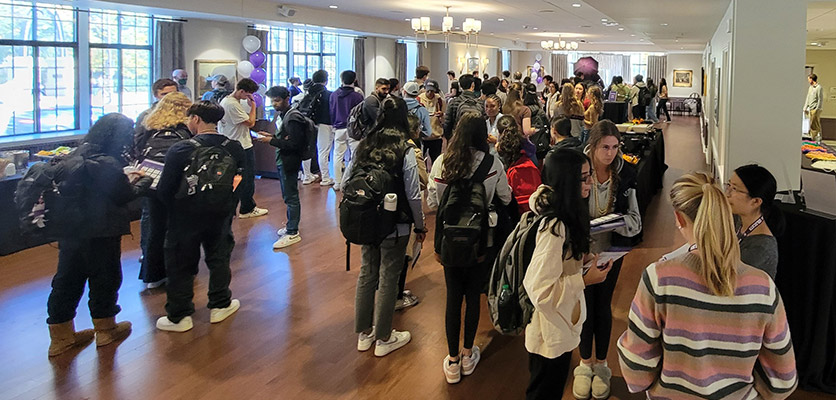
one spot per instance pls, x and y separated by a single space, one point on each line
473 65
683 78
204 69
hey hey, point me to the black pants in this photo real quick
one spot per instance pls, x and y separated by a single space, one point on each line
548 376
153 264
402 279
246 189
182 252
433 148
97 261
639 112
462 283
663 105
598 324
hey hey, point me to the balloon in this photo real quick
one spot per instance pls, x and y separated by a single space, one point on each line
245 68
536 66
251 44
258 100
259 75
258 58
262 89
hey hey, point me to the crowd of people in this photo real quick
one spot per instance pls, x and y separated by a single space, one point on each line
706 322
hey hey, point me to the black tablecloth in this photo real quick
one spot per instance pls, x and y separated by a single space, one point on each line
807 281
615 111
649 173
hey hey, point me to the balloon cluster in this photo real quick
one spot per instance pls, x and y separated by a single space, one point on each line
535 72
254 68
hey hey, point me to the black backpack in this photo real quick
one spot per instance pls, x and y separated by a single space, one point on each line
307 107
363 220
50 198
469 105
158 143
356 128
644 96
541 137
207 186
461 227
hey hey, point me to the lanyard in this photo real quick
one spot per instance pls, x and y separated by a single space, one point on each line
750 229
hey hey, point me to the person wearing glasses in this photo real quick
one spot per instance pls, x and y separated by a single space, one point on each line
613 191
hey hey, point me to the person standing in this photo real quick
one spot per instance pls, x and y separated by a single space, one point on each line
650 109
593 112
235 125
422 74
182 78
220 89
321 116
294 83
813 106
432 100
663 100
341 103
194 222
411 91
636 98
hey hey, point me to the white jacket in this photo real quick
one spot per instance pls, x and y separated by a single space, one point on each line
495 183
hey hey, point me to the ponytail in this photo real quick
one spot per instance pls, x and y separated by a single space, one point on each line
761 184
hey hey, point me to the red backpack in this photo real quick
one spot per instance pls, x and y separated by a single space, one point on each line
524 179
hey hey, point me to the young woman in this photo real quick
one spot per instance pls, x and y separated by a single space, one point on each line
554 280
382 264
507 123
465 152
523 174
593 112
516 108
166 123
613 191
571 107
580 94
551 99
492 107
705 325
650 109
663 100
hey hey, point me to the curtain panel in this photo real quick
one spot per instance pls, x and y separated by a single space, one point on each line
560 67
400 62
169 49
360 60
657 66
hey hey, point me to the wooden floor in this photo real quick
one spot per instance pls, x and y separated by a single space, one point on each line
294 335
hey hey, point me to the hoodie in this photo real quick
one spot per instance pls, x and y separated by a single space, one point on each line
634 93
415 108
322 97
341 103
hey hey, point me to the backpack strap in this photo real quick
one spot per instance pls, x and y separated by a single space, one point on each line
484 168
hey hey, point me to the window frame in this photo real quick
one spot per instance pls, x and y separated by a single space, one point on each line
290 53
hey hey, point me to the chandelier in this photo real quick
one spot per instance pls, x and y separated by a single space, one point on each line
560 44
470 28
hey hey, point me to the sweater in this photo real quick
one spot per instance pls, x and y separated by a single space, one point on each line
341 103
495 183
682 342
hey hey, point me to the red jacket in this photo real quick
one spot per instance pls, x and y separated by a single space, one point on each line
524 179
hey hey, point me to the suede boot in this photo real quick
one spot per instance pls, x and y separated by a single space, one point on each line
108 331
64 337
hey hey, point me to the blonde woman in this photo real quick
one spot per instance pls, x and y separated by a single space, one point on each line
164 126
593 112
704 324
571 107
515 107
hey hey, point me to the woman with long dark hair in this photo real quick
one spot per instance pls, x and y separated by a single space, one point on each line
382 264
571 107
663 100
467 149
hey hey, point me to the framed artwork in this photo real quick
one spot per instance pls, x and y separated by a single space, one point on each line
205 68
683 77
473 65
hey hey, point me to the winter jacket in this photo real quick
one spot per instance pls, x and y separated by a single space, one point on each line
322 104
371 109
291 140
414 107
341 103
634 93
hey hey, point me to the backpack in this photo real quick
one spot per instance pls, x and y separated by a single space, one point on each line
644 96
524 179
541 138
508 302
308 150
207 186
308 105
356 128
461 227
49 198
469 105
158 143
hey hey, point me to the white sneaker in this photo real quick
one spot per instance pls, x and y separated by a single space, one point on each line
281 232
396 340
408 300
582 386
601 381
165 324
469 363
154 285
286 241
310 179
219 314
327 182
337 186
256 212
365 342
453 372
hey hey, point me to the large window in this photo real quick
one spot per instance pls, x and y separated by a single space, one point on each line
38 63
300 53
120 63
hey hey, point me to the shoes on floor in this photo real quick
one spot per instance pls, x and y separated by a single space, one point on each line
310 179
601 381
365 342
452 371
154 285
582 386
408 300
396 340
165 324
286 241
64 337
256 212
327 182
281 232
469 362
109 331
219 314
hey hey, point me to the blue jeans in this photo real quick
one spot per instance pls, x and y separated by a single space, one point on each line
651 112
246 189
290 193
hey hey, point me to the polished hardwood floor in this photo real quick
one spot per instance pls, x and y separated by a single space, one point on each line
293 337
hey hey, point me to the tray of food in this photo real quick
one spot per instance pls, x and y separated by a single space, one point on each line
49 154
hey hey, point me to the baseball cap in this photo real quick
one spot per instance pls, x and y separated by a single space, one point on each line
431 86
411 88
219 78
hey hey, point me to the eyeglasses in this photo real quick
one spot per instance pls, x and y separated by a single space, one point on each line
729 188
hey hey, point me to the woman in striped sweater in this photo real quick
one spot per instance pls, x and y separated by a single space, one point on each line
705 325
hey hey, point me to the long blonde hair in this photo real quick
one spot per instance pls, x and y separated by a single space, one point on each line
697 196
170 111
568 102
595 96
513 101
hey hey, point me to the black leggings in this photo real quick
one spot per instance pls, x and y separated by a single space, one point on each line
548 376
433 148
467 283
663 105
598 324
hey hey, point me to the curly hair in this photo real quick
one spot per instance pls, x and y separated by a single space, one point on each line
509 146
568 102
170 111
471 132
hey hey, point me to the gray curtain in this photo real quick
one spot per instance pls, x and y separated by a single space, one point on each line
499 62
625 69
168 50
560 66
421 50
657 66
360 60
262 35
400 62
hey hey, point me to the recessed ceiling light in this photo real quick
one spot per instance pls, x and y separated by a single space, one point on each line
604 20
621 28
586 26
664 24
681 48
632 35
407 19
814 43
501 19
535 28
576 5
641 40
491 33
677 40
333 6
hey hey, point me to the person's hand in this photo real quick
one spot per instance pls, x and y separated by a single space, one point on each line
420 237
262 139
597 274
496 146
492 139
134 176
262 133
250 100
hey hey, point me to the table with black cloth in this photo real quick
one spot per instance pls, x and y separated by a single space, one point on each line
806 281
649 173
615 111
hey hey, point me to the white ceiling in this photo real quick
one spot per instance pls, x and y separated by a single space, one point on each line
821 25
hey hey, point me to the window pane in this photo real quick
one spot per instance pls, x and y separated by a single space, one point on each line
299 66
329 63
278 40
16 20
312 42
104 27
55 23
277 66
135 29
57 87
104 84
299 41
17 109
329 43
136 82
313 65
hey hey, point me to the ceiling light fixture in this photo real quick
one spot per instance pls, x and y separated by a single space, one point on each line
470 27
664 24
501 19
621 28
333 6
604 20
576 5
560 44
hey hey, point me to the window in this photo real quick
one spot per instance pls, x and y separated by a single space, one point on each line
38 63
120 63
411 59
300 53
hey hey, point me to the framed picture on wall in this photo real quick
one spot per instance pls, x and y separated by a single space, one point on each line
472 65
683 77
204 69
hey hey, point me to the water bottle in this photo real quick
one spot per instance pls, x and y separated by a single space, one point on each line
505 294
390 202
506 309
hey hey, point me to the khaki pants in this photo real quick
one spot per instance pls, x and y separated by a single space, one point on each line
815 124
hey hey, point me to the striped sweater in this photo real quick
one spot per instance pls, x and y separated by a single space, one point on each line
682 342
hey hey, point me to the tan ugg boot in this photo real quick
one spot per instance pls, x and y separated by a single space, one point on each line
64 337
108 331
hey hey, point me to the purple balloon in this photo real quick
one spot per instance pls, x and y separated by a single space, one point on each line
259 75
258 58
259 100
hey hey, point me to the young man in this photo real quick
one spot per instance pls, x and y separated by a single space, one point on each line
410 95
290 140
422 73
813 106
561 133
341 103
371 108
182 78
466 83
637 107
294 82
434 103
322 118
235 125
192 225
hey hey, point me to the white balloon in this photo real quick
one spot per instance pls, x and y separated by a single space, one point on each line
251 43
262 89
245 68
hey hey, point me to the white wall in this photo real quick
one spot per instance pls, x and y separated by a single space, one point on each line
520 60
437 57
459 54
691 62
211 40
380 60
824 62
